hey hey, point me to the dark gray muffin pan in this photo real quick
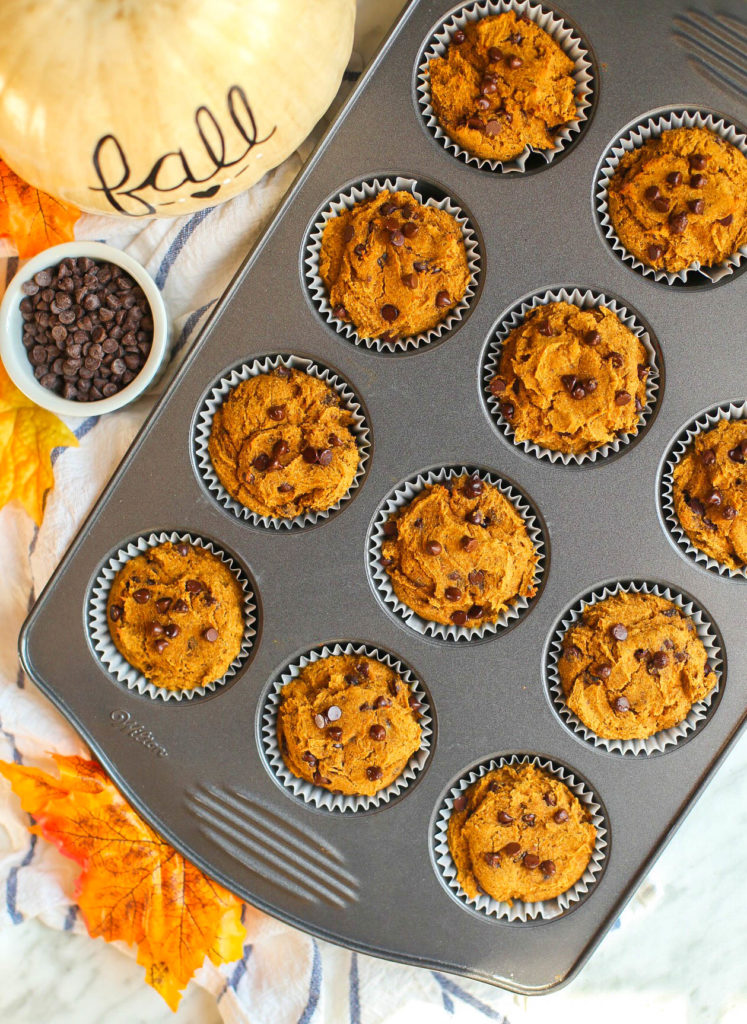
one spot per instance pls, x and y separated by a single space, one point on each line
195 768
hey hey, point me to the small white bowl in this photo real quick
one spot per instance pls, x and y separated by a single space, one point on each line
16 360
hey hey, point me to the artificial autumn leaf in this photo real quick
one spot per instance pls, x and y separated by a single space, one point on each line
28 434
133 886
33 220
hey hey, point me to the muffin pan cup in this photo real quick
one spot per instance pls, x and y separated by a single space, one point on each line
586 299
197 769
403 494
98 624
218 395
364 190
520 911
568 39
702 423
666 739
319 796
635 135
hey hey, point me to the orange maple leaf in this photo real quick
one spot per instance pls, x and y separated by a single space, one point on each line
27 436
33 220
133 885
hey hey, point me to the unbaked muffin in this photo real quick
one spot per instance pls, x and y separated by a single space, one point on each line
632 666
393 267
459 553
281 444
175 614
348 723
571 379
710 493
680 198
519 833
504 84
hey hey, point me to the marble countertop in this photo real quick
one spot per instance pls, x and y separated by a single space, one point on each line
678 954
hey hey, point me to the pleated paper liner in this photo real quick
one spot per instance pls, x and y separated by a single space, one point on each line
218 395
633 136
319 796
98 627
402 495
586 299
567 37
365 190
700 424
666 739
518 910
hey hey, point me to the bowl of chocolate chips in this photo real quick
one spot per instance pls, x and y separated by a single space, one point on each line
83 329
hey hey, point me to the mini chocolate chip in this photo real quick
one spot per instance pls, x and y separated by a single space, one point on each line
511 849
729 512
210 634
390 529
334 713
193 586
493 127
621 704
668 644
476 577
320 721
320 779
142 596
285 488
547 867
514 62
619 632
410 281
497 386
409 230
651 193
696 205
560 816
459 618
708 456
677 223
396 238
433 547
473 486
714 498
603 670
453 594
724 221
334 732
340 312
697 161
488 86
640 654
660 659
543 328
414 703
572 652
276 412
182 549
261 463
507 410
382 702
476 612
655 252
468 543
531 861
550 799
171 631
377 732
494 54
622 398
493 860
443 300
529 818
389 313
674 178
592 337
374 773
698 181
661 204
161 645
385 562
458 36
325 457
309 758
474 517
736 455
115 612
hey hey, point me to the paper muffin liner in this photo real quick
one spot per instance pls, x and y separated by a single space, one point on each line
317 795
98 626
402 495
519 910
667 738
587 299
700 424
365 190
568 39
218 395
633 136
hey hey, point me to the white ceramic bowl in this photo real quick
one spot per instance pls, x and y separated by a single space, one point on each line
13 353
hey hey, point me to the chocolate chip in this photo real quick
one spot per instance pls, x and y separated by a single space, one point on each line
459 618
396 238
497 386
592 337
493 127
737 455
543 328
529 819
475 517
708 456
116 612
640 654
468 543
410 229
171 630
504 818
433 547
696 205
674 178
697 161
410 281
618 631
453 594
651 193
334 732
443 300
495 55
414 703
276 412
488 87
560 816
340 312
161 645
261 463
622 398
726 221
572 652
698 181
493 860
193 586
660 660
507 410
603 670
677 223
334 713
180 606
729 512
655 252
458 36
321 780
142 596
383 702
714 497
374 773
476 612
661 204
309 758
547 867
476 577
389 313
377 732
550 799
621 704
473 486
514 62
210 634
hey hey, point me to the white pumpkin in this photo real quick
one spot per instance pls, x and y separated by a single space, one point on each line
142 107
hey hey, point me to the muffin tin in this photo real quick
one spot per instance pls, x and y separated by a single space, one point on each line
371 879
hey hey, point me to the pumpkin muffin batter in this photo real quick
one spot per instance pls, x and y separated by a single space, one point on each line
710 493
519 834
175 613
348 723
681 198
393 267
459 553
633 666
504 84
281 444
571 379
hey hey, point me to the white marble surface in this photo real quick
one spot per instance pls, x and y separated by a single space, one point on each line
678 957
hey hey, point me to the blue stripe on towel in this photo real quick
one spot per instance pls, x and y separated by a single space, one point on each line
178 244
11 886
315 986
451 987
355 996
